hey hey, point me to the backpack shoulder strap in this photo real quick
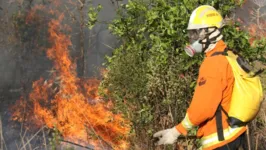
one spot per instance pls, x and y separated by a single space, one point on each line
219 123
221 52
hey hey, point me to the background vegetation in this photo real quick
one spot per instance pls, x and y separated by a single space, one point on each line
149 76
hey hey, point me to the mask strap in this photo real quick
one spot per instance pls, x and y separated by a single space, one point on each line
209 40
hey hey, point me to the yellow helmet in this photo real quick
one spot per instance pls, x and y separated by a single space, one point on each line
205 16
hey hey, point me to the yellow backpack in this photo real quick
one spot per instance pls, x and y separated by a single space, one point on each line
247 93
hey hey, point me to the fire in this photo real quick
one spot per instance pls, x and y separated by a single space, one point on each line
255 32
257 24
32 14
71 104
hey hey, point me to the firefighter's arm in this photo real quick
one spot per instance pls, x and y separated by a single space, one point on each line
206 99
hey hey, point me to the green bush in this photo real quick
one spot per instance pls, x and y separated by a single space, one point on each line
149 76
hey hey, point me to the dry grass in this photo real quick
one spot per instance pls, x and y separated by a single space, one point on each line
258 127
2 140
26 145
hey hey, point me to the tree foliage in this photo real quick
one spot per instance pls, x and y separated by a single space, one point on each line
149 76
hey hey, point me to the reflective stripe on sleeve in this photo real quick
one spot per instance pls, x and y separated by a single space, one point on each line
187 123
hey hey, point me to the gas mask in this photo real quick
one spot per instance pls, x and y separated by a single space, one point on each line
202 40
194 48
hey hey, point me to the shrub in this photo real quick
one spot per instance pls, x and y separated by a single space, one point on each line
149 76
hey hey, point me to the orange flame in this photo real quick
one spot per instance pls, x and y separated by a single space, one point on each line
32 14
70 104
256 32
256 26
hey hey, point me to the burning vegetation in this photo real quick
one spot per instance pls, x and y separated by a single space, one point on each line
66 102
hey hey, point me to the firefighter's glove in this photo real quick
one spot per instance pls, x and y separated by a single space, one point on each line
168 136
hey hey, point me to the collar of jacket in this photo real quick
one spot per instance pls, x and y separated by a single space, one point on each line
220 46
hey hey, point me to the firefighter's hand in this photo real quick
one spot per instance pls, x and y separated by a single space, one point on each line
168 136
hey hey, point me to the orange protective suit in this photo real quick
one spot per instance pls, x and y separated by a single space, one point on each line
214 87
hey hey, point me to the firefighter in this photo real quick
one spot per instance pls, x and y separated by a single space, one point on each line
214 87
